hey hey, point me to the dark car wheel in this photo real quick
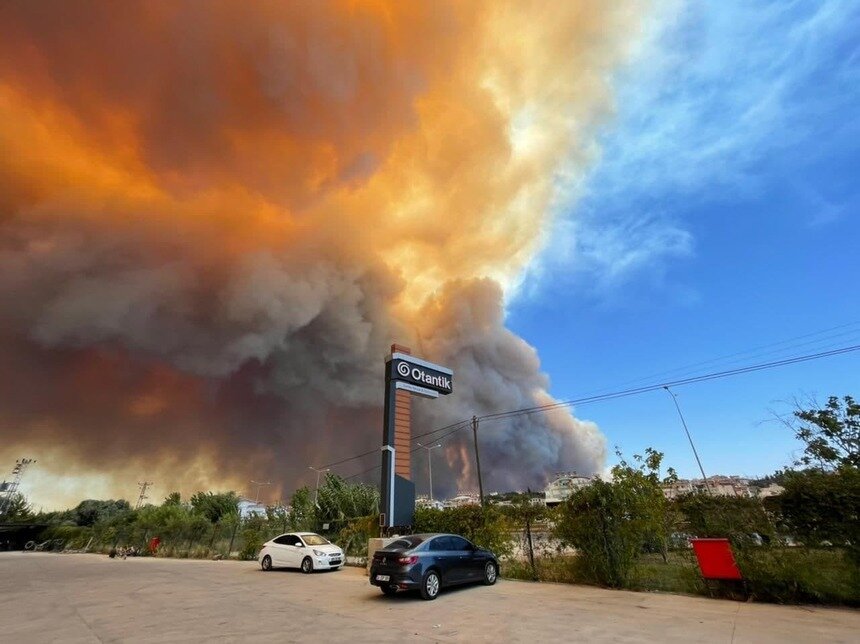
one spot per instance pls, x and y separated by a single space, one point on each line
307 565
388 590
266 564
430 585
491 573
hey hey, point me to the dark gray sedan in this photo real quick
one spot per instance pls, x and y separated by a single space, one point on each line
429 562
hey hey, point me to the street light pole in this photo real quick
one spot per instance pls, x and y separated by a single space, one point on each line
430 464
478 459
689 438
318 471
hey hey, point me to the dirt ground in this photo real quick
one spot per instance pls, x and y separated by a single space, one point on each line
90 598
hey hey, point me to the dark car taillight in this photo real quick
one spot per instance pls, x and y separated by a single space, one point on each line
407 561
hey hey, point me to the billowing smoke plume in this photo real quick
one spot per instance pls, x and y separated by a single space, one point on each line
216 216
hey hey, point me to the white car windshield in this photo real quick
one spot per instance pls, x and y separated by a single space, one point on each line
314 540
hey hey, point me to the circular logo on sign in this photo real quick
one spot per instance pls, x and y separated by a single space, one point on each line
403 369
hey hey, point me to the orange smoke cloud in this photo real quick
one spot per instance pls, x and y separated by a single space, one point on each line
214 218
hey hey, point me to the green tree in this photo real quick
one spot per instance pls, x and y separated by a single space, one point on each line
91 511
302 511
831 433
174 498
339 501
740 519
611 522
526 511
819 507
215 505
278 516
254 532
486 527
17 509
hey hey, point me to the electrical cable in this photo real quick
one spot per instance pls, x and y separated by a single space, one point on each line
455 427
673 383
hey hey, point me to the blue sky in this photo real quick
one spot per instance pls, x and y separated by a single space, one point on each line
721 217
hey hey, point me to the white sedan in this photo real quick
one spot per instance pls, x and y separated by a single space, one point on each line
304 550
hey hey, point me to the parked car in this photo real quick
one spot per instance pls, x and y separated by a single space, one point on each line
430 562
304 550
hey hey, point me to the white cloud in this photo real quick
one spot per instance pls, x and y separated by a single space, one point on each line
713 91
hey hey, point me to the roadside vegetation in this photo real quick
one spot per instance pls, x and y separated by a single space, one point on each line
208 524
800 546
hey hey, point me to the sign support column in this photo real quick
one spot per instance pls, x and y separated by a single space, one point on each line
405 376
388 454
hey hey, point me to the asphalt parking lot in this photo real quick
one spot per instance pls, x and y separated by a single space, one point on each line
89 598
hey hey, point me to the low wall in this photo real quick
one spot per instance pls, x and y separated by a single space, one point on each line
375 544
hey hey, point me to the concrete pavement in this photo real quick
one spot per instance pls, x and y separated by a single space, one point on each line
48 597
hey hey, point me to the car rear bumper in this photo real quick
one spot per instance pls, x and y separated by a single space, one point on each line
396 577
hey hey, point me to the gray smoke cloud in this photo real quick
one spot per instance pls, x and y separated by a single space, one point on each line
215 219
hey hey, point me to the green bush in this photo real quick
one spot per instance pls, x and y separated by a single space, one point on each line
254 534
611 522
354 536
485 527
821 508
800 575
566 569
738 519
74 537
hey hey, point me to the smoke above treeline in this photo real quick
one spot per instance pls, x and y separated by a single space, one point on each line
215 217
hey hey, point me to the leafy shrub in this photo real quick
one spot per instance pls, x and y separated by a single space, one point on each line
354 536
254 534
800 575
74 537
821 508
738 519
611 522
485 527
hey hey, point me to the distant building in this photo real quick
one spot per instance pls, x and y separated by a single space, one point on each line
249 508
717 485
564 484
423 501
461 500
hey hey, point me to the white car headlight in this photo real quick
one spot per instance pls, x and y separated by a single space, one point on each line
318 553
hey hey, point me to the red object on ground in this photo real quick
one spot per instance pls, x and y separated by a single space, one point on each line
153 544
716 560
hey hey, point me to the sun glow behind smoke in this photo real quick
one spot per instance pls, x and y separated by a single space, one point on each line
215 217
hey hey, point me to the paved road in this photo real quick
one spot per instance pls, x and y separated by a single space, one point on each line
89 598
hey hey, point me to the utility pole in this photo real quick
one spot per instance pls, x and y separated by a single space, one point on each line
478 458
259 484
12 487
689 438
142 497
318 471
430 463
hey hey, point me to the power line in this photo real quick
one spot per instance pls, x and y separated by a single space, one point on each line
455 427
376 451
672 383
752 352
347 460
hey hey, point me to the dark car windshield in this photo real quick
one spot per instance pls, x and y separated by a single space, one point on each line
314 540
404 543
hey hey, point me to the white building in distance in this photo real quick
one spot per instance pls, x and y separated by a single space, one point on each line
249 508
565 483
719 486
